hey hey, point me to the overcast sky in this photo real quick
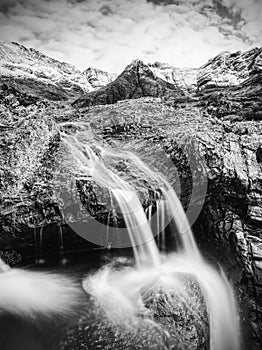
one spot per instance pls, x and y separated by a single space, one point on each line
108 34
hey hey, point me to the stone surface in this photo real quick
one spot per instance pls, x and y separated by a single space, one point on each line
163 322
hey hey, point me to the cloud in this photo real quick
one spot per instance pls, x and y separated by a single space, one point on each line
108 34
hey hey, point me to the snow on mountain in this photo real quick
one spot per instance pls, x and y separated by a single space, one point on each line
38 74
230 69
98 78
183 78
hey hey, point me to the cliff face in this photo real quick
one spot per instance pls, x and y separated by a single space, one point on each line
210 128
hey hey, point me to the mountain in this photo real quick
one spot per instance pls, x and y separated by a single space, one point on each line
230 69
183 78
229 85
28 70
98 78
137 80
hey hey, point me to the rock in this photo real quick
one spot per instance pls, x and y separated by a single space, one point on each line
137 80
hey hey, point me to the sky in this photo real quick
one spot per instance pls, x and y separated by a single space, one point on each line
109 34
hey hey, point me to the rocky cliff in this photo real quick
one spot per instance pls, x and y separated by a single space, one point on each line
206 121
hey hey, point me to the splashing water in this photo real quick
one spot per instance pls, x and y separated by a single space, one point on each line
32 293
120 292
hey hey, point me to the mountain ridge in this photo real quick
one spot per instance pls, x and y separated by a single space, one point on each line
31 72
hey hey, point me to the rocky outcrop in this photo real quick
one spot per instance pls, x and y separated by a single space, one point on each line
137 80
98 78
32 72
178 326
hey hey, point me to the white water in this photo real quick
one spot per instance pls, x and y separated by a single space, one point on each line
32 293
120 292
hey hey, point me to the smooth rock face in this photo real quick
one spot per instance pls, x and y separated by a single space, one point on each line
216 134
39 75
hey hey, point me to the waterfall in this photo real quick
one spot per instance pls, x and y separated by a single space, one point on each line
63 259
120 293
38 242
137 225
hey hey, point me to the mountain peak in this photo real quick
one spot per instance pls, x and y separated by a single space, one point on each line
137 80
98 78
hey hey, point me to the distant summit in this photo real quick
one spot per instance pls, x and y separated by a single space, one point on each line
98 78
137 80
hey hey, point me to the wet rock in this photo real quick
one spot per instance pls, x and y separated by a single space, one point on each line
259 154
166 322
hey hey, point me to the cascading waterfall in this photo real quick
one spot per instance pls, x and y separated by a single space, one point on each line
120 292
135 218
63 259
38 238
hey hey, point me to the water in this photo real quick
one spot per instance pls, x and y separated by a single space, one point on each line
36 307
120 292
63 259
163 301
39 252
33 293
